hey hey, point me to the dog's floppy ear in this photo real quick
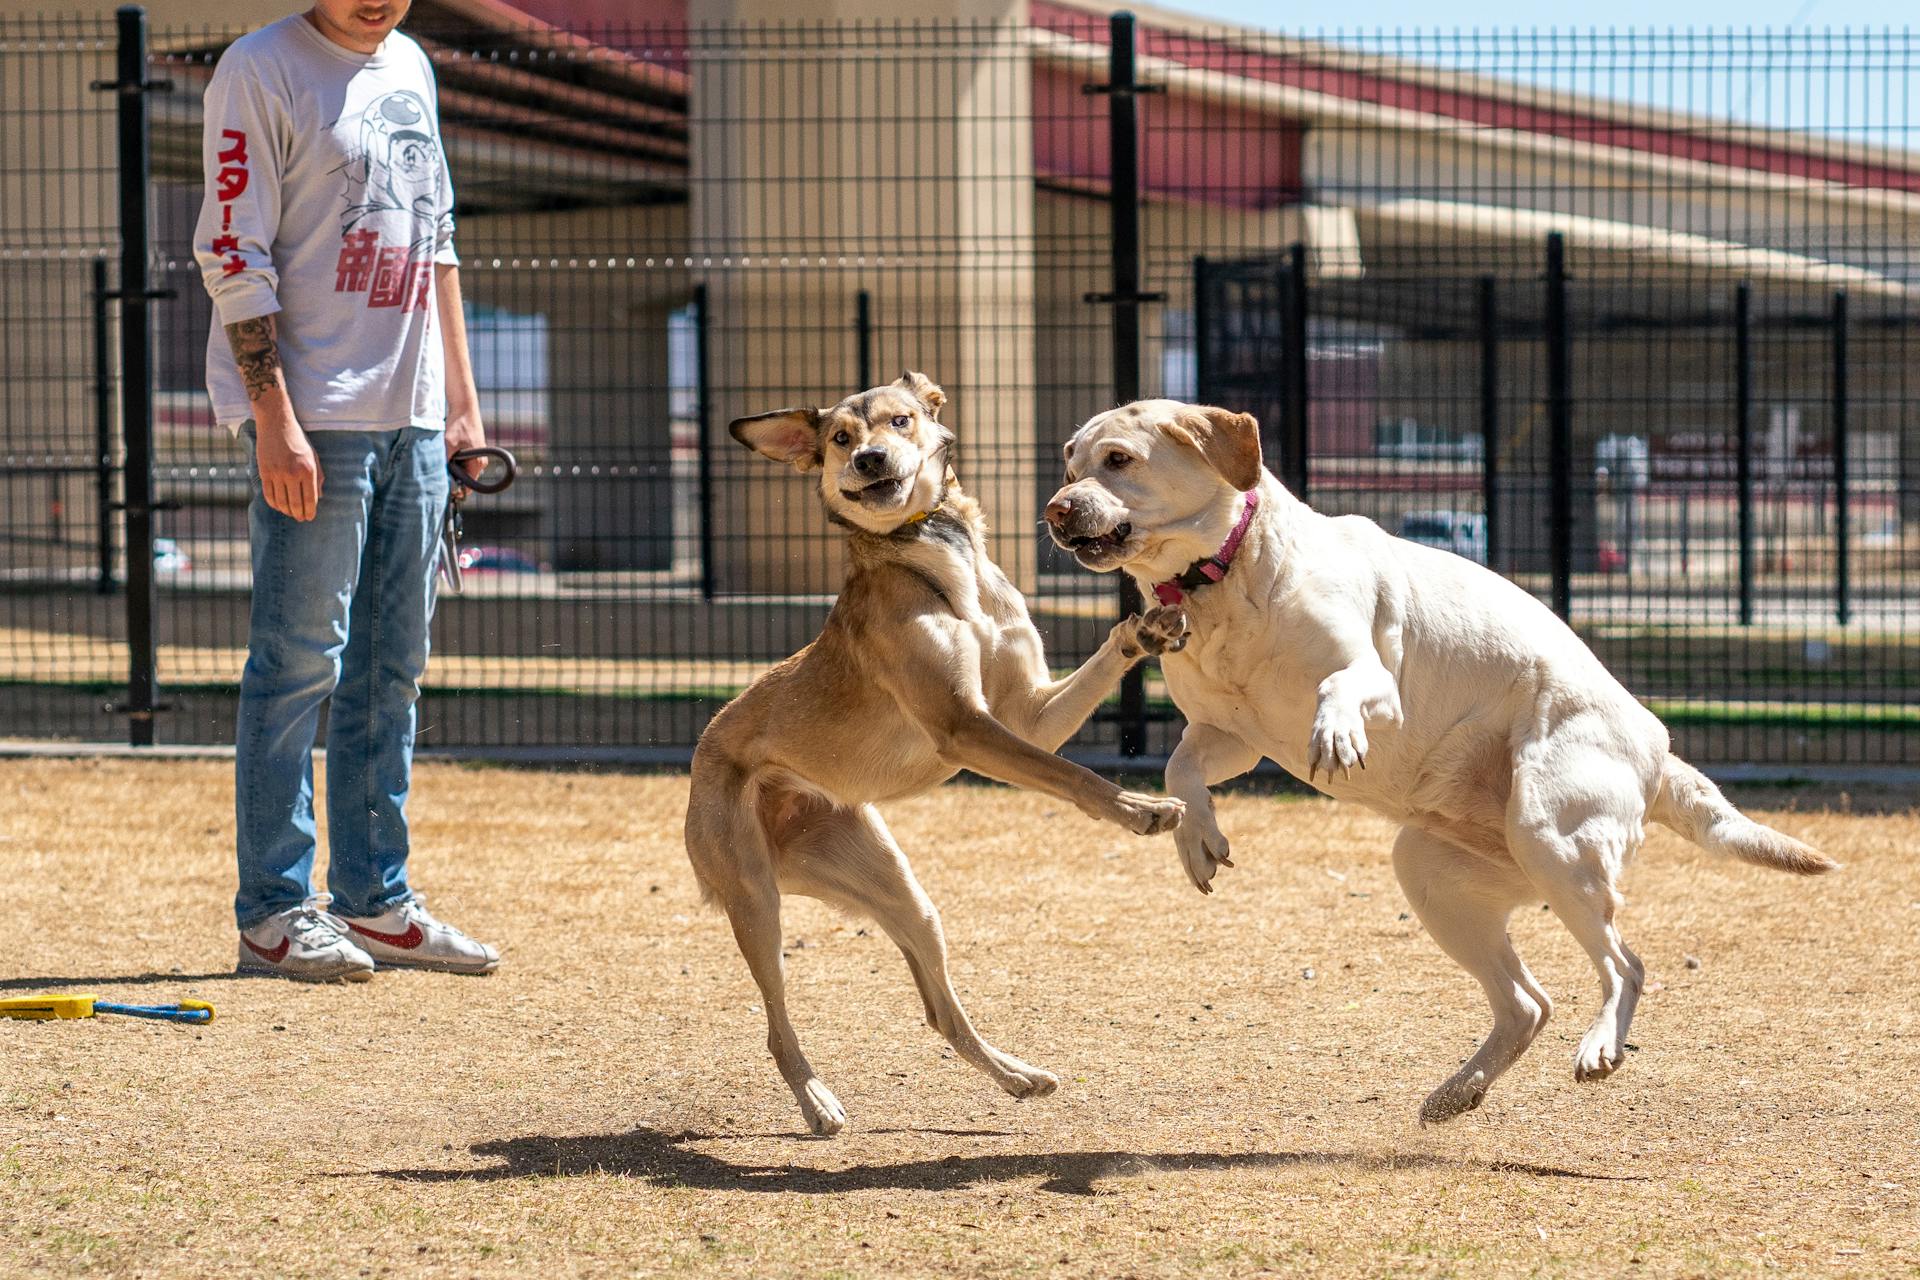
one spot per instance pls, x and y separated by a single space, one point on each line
1230 442
791 436
923 389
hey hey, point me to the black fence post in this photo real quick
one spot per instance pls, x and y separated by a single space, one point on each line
1490 414
136 294
1842 586
1743 439
1560 421
703 418
102 427
863 338
1123 203
1297 437
1203 392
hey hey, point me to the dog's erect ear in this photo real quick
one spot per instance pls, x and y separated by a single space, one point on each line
791 436
922 388
1230 442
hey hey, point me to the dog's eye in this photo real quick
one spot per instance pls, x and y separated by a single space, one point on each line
1116 460
841 437
902 422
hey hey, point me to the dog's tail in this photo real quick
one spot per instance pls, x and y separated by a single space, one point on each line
1690 804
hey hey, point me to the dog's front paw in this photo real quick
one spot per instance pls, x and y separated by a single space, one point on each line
1146 815
1203 849
1338 740
1384 707
1162 629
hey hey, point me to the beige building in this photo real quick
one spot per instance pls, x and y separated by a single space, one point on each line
611 166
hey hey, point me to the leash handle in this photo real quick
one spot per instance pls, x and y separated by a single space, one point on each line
485 453
462 482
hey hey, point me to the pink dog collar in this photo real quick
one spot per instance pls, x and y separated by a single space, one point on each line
1215 566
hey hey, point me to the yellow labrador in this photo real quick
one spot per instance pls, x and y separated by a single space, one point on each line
928 664
1406 679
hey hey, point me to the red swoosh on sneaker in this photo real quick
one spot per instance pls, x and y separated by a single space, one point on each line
274 956
407 941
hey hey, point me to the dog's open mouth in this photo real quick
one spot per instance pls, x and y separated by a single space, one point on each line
1089 548
881 493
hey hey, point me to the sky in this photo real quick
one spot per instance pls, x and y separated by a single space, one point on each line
1578 15
1798 64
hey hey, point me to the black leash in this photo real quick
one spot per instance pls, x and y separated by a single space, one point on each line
462 485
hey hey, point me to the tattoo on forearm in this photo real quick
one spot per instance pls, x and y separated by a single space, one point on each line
257 353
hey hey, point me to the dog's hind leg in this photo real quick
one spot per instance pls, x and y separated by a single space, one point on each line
1576 817
1464 902
754 911
731 831
849 858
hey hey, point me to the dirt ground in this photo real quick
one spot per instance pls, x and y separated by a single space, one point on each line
1239 1073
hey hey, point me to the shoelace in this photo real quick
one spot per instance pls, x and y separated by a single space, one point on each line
315 926
415 909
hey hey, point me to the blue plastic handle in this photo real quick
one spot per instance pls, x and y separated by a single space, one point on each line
164 1012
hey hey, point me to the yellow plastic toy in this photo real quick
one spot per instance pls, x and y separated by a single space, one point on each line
48 1008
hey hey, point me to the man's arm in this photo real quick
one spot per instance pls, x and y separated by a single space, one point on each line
233 243
289 473
464 429
237 227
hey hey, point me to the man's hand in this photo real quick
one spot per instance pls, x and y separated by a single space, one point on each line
464 431
463 400
289 473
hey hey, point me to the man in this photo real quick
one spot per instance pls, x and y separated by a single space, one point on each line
339 351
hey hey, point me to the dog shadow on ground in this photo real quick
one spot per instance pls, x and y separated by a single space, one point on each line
669 1160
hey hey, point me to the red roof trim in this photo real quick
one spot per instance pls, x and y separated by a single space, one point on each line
1481 109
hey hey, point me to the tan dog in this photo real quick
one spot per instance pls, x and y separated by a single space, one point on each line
928 664
1518 766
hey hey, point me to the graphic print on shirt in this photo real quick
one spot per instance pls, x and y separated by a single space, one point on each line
395 168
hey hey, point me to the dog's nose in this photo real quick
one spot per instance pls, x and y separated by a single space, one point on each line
869 462
1058 510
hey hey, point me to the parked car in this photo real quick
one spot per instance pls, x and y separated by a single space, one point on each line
1410 440
1462 532
497 560
169 558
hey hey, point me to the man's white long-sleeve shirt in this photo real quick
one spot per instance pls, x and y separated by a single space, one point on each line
328 201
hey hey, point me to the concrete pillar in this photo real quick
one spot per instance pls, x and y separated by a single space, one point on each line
823 164
592 427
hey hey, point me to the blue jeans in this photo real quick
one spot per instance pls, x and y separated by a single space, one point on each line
340 609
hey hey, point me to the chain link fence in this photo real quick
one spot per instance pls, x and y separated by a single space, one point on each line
1653 362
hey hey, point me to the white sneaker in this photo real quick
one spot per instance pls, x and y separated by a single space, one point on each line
306 943
408 937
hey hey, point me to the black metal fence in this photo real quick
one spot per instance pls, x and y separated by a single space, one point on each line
1654 362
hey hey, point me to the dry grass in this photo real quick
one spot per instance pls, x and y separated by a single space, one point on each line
29 656
605 1105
